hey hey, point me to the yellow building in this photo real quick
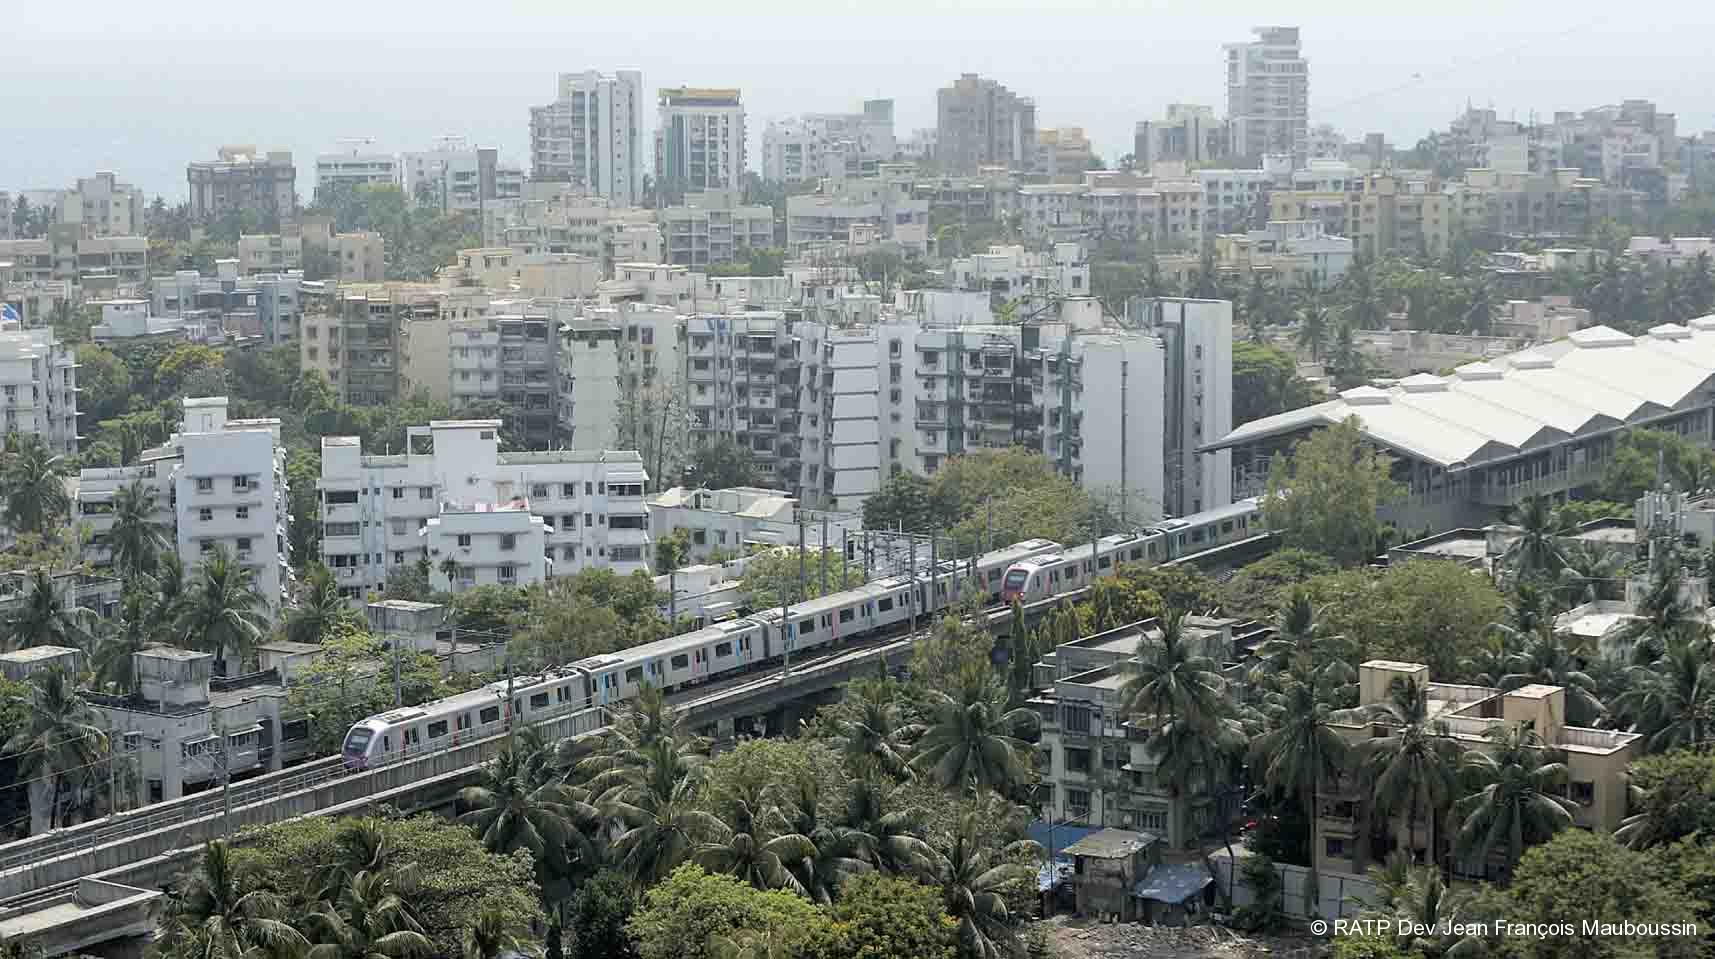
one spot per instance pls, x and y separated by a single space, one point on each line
1387 214
1597 760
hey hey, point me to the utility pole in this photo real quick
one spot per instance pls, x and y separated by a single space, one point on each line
398 691
511 719
800 596
988 526
673 598
934 571
822 558
911 591
225 777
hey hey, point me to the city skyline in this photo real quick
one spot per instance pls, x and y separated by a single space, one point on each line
387 93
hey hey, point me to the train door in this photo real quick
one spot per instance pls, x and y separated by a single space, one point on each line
742 645
699 662
654 671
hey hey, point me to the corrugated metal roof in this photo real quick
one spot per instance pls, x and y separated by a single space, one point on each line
1598 378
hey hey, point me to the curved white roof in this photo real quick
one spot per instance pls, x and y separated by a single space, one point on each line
1598 378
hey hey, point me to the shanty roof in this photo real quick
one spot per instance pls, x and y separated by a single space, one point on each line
1596 379
1173 883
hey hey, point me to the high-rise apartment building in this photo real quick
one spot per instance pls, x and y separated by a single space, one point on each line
981 123
592 135
1268 95
1188 133
700 143
817 145
38 387
264 185
1196 398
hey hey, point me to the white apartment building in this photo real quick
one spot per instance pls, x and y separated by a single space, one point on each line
731 520
38 387
355 167
592 135
69 253
1102 422
606 358
376 509
217 483
103 205
847 211
1234 200
841 430
700 143
37 300
735 390
817 145
130 320
483 544
1268 95
1188 133
1197 398
588 227
1013 271
713 228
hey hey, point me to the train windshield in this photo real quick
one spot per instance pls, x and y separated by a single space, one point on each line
357 740
1015 578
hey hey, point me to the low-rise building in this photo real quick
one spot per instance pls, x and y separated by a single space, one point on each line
375 507
846 211
269 253
69 253
38 388
485 544
243 180
713 228
130 321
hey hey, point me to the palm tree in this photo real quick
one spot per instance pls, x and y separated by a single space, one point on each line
320 608
370 919
112 658
450 569
1672 701
825 852
136 538
492 935
223 613
512 810
971 875
1167 680
754 858
870 726
1535 552
1489 660
1424 904
219 915
1302 749
33 481
1590 571
1550 658
171 589
1415 764
651 798
972 741
1515 778
44 618
1299 639
886 836
60 736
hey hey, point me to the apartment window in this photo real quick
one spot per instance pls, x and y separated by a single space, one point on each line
569 521
1077 719
569 553
589 520
205 484
589 488
508 574
1077 760
539 490
243 512
1077 801
244 546
205 546
508 542
1583 793
398 558
398 492
568 490
425 492
205 514
240 484
1335 847
464 540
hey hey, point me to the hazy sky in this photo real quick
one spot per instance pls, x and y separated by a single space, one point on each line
143 88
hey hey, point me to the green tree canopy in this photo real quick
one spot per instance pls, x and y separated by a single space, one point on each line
771 578
1266 382
686 912
1324 498
880 917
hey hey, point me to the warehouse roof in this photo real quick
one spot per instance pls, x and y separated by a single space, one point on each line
1596 379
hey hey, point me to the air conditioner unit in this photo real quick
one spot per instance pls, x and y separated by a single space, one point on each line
1125 820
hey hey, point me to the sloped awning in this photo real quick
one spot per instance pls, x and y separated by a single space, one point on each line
1173 884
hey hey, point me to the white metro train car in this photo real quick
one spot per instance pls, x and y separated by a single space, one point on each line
1034 569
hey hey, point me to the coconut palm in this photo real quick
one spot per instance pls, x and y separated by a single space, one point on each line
871 726
128 634
61 737
1167 680
886 835
1590 571
1662 617
1299 638
136 538
1489 659
1432 912
44 617
1515 780
1301 749
826 852
1672 701
319 610
651 800
222 612
492 935
637 724
754 859
1535 552
1552 659
33 483
171 588
370 919
971 874
972 740
1414 765
511 809
220 915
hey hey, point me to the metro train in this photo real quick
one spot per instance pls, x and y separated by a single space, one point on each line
1031 570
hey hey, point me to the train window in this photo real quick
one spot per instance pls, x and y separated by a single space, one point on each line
412 738
1197 535
387 744
1227 527
489 714
463 721
1105 562
562 694
1153 550
437 729
994 574
847 615
681 661
807 626
539 701
723 649
634 674
1137 552
884 604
